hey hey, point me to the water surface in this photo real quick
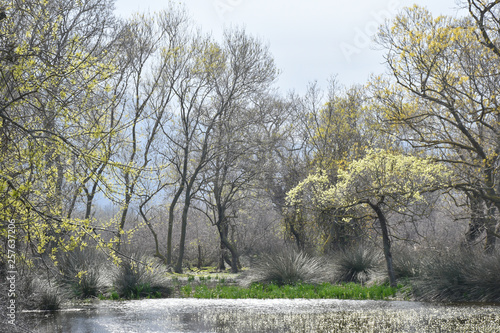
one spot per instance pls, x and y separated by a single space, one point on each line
276 315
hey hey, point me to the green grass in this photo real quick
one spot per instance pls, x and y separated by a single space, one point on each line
310 291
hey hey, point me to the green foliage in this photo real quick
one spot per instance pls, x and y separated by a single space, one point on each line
444 80
340 130
186 290
309 291
288 267
52 79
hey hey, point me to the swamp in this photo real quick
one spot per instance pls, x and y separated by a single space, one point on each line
155 178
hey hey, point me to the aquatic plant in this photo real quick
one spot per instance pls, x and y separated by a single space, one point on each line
300 290
44 295
49 301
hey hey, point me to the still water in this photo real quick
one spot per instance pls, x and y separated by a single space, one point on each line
251 315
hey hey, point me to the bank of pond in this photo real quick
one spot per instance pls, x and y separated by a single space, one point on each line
223 302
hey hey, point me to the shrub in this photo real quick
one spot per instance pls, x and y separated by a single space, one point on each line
356 264
288 268
43 295
135 280
486 284
406 263
461 275
79 271
49 301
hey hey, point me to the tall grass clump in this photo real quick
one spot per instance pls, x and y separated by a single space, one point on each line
34 290
79 271
406 263
459 276
288 267
133 279
43 296
49 301
356 264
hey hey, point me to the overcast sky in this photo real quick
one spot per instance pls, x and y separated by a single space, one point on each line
310 40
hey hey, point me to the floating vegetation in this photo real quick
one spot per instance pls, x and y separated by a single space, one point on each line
275 315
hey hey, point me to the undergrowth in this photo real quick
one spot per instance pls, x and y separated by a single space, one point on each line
288 267
310 291
134 280
459 276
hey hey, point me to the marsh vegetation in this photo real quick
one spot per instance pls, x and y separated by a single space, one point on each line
272 315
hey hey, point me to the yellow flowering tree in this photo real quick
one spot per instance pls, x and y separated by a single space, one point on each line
340 130
382 181
443 97
337 127
53 111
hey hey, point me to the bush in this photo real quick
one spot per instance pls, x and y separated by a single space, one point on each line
461 275
406 263
42 295
288 267
135 280
356 264
79 271
49 301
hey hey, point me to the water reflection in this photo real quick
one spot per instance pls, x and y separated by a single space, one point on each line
192 315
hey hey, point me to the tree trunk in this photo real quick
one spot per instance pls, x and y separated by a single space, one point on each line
221 266
200 257
291 221
153 232
387 244
476 223
223 233
171 211
489 246
178 265
123 218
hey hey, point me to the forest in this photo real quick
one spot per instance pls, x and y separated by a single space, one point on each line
147 141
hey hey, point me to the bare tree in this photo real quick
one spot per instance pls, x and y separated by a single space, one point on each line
153 40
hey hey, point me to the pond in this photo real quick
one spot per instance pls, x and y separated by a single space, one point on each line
276 315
